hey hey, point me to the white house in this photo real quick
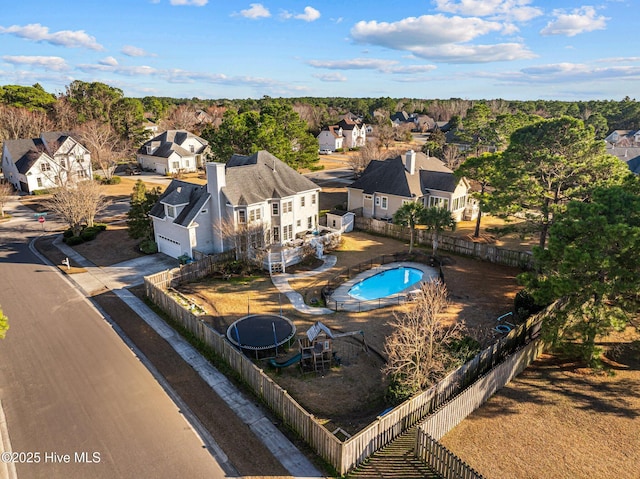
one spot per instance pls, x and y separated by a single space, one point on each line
54 159
348 133
386 185
173 151
258 190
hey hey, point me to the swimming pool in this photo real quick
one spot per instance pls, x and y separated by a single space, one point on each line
386 283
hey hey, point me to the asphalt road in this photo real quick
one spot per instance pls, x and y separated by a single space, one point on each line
74 400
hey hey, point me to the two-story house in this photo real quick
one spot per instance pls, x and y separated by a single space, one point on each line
348 133
54 159
386 185
257 190
172 152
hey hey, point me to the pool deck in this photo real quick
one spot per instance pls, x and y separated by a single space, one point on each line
344 302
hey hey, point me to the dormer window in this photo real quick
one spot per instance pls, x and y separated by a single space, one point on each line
171 211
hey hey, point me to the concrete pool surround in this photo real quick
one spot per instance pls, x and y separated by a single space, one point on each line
341 300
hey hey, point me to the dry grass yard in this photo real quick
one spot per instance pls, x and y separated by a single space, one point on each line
351 396
560 420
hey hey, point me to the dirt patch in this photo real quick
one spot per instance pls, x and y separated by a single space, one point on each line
559 419
352 395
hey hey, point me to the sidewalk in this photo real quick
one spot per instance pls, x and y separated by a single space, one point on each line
120 276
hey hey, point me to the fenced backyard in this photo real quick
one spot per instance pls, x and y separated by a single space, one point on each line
483 251
342 455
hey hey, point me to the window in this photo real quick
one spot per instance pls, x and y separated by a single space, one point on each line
309 222
287 207
274 209
192 149
254 215
298 223
63 163
186 163
385 202
242 216
368 197
287 232
313 199
276 234
377 201
437 202
39 181
175 165
171 211
45 167
302 201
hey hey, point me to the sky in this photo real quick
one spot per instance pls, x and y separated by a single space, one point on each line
212 49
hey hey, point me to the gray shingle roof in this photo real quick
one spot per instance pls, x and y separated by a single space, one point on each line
391 177
25 152
170 141
180 193
261 176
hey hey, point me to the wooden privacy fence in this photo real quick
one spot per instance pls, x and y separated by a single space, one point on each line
443 461
343 456
485 252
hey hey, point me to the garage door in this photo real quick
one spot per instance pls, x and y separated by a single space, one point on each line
169 247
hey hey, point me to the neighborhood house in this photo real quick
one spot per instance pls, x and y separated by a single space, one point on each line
386 185
54 159
257 192
172 152
348 133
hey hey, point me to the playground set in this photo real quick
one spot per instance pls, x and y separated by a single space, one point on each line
316 350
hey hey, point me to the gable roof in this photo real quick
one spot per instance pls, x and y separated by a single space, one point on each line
391 177
180 193
26 152
261 176
171 141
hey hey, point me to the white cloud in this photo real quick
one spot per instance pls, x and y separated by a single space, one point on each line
383 66
110 61
514 10
310 15
580 20
419 31
440 38
65 38
256 11
195 3
49 63
330 77
132 51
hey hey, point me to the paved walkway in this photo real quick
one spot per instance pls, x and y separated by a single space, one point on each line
281 281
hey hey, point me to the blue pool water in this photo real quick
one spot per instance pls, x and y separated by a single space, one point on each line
385 284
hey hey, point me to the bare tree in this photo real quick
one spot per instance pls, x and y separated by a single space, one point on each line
100 139
249 240
451 156
78 204
22 123
182 117
417 349
6 190
385 135
359 162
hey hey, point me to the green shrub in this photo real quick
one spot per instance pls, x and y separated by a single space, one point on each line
41 192
525 305
464 349
100 226
148 247
89 234
114 180
67 233
397 391
74 240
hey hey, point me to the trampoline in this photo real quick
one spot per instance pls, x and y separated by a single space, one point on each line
261 334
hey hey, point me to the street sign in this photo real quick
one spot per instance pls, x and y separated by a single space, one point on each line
41 219
38 215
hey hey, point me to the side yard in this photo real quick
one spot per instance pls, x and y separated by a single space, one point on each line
559 420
